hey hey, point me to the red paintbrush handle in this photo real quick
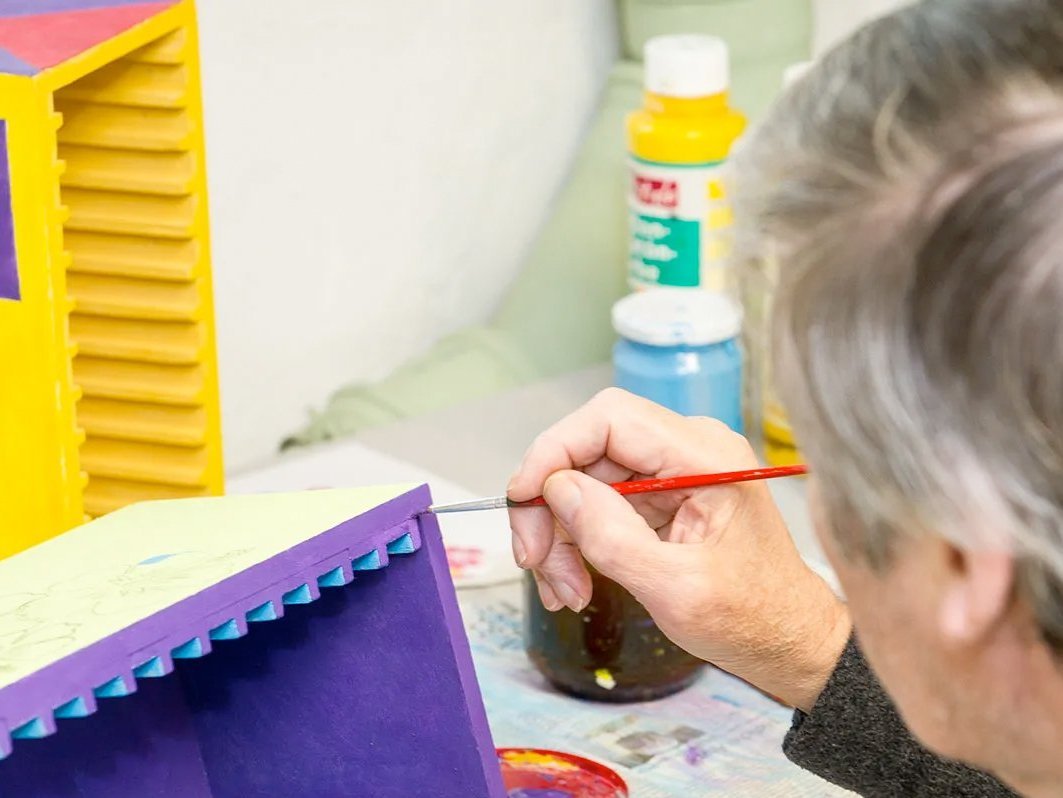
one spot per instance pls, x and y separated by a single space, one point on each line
681 483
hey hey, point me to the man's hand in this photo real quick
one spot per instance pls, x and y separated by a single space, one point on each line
715 567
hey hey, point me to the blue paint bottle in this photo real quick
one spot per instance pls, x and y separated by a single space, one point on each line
679 348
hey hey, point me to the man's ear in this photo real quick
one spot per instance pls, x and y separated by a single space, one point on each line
976 595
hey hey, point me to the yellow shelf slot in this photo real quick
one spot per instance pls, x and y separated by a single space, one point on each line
132 256
144 462
140 382
171 173
104 495
131 339
136 421
133 298
130 214
167 50
151 129
130 83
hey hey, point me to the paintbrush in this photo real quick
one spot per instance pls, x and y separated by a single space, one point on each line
634 487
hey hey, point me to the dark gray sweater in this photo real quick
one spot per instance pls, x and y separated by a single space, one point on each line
854 738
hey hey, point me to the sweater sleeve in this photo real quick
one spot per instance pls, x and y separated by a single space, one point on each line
855 738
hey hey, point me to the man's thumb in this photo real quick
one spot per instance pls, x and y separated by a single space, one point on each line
612 536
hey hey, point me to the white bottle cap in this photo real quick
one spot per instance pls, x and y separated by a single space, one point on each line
686 66
677 317
795 72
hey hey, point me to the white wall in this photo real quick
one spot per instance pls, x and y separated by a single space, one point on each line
377 172
835 19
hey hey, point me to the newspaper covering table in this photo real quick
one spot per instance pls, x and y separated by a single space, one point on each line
719 737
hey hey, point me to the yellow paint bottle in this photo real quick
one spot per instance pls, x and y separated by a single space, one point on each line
678 142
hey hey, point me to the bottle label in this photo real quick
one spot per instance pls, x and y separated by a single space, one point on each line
679 224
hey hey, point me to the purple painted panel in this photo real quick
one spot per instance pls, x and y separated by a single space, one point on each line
10 64
458 641
366 690
8 262
360 693
142 745
26 8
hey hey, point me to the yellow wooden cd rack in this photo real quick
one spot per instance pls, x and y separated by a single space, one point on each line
108 376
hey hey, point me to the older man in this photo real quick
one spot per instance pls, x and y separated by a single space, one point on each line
912 185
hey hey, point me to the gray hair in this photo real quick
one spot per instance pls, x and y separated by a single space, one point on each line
912 183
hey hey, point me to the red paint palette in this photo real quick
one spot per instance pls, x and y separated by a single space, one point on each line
537 773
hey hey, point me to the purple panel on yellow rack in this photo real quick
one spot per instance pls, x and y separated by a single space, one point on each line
8 261
11 64
20 8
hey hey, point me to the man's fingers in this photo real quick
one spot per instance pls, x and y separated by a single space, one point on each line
533 529
590 434
637 435
564 570
605 470
546 593
533 535
612 537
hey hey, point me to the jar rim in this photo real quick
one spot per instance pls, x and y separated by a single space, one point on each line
677 317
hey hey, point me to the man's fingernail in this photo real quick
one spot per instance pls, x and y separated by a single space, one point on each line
512 482
569 596
548 596
564 498
520 553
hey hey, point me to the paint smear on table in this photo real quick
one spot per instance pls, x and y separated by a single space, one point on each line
533 773
693 755
466 562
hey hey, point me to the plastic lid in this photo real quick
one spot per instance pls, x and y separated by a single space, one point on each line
795 72
677 317
686 66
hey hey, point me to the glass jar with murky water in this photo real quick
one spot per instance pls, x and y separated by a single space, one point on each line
611 651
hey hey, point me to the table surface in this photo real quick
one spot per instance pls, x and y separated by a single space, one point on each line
719 737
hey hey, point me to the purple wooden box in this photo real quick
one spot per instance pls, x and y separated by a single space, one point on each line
361 684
